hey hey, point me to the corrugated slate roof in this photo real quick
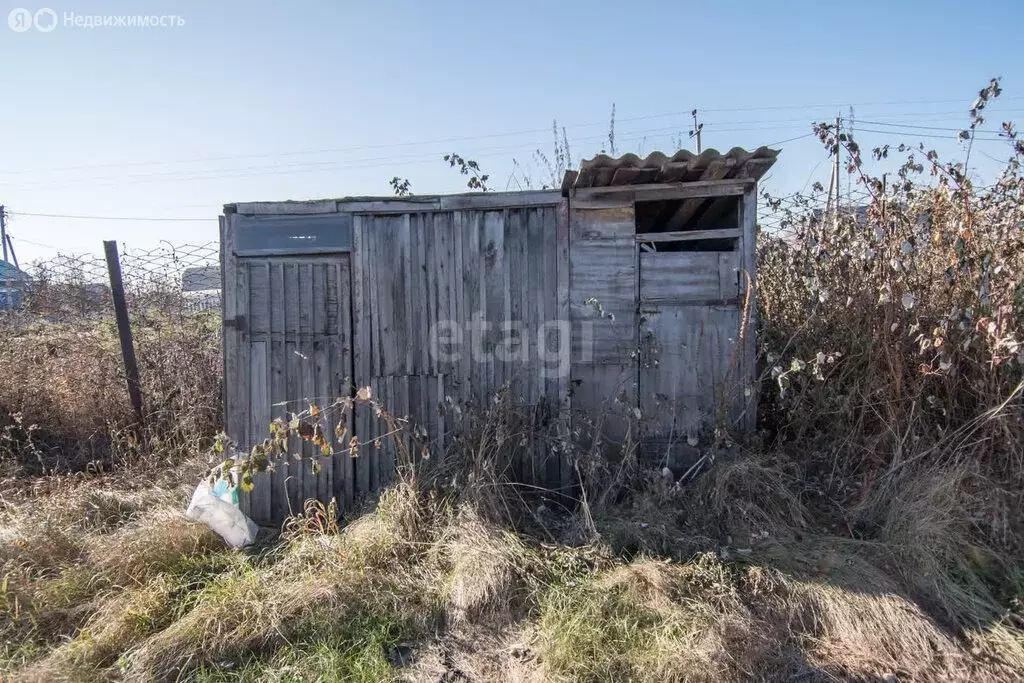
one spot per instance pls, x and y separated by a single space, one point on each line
683 166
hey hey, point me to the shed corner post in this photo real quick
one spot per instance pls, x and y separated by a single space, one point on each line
749 324
232 404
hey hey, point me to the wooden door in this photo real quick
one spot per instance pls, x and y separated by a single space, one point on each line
288 345
688 325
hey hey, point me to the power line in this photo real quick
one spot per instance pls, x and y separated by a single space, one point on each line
108 218
925 135
855 104
915 126
34 244
349 164
782 142
447 140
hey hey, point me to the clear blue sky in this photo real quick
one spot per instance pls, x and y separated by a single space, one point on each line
276 100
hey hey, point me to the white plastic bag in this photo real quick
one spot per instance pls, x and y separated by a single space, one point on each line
217 508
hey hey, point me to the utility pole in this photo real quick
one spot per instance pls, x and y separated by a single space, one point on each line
835 170
849 183
3 229
697 127
14 257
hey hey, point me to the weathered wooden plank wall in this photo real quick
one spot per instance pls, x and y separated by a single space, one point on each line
453 306
446 300
603 289
290 345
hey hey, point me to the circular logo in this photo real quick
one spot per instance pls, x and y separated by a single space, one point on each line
20 19
46 19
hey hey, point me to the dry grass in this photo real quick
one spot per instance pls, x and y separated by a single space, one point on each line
64 406
429 584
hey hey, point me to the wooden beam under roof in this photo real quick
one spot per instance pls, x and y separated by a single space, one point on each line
716 170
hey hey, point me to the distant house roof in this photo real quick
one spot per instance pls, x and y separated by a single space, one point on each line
10 274
657 167
200 279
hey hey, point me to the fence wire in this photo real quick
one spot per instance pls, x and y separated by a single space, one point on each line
168 280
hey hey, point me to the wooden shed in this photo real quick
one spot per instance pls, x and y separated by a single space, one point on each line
632 285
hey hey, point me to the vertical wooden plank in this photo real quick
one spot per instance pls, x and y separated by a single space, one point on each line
430 403
562 306
472 283
344 370
398 387
534 303
243 409
259 296
321 388
293 382
259 509
492 249
230 336
358 340
431 274
276 312
357 337
748 365
380 442
371 272
516 268
336 358
305 298
390 297
425 414
506 330
404 296
460 284
414 412
542 288
551 307
260 503
372 336
425 294
290 303
411 297
439 405
261 500
318 314
442 267
552 342
307 389
281 497
278 395
516 240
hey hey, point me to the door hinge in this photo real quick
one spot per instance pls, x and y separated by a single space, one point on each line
236 323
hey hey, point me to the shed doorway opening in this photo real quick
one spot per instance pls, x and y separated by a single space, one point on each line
693 224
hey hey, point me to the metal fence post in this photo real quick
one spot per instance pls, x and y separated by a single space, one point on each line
124 331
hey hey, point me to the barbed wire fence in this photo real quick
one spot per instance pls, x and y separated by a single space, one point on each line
62 362
168 280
